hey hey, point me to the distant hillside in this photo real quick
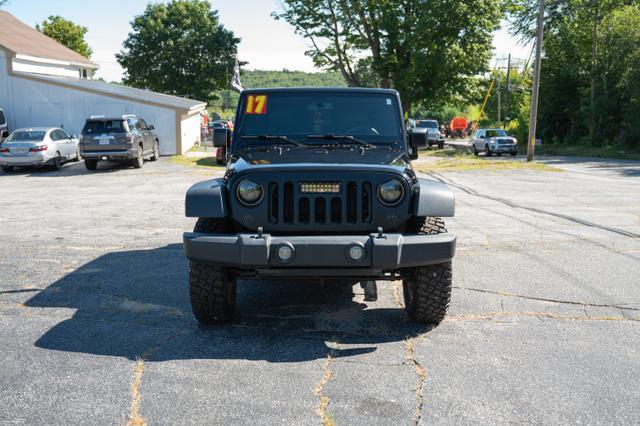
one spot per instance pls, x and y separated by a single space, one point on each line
252 79
227 99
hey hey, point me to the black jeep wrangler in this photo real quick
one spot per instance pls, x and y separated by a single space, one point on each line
319 185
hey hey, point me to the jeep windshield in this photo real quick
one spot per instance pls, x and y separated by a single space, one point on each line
322 118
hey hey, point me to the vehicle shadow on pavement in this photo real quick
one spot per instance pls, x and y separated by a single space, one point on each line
69 169
135 304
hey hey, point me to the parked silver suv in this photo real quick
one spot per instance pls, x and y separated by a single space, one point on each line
493 141
125 138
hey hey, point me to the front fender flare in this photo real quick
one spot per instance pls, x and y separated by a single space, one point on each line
207 199
433 199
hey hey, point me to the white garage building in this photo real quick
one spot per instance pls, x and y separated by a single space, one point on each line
42 83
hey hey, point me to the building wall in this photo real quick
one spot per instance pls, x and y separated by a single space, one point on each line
22 65
190 131
29 103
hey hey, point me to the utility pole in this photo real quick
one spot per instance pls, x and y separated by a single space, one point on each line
533 117
499 106
506 90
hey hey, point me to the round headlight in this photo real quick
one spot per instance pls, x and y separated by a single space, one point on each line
249 192
390 192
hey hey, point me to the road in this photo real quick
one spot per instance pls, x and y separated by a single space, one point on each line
96 328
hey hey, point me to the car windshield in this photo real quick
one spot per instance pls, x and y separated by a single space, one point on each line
26 136
496 133
104 126
372 117
428 124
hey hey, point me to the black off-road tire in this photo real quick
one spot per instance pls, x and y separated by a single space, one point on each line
427 289
425 225
487 151
474 150
91 164
212 288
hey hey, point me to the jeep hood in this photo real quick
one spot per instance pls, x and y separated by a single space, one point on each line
333 160
351 155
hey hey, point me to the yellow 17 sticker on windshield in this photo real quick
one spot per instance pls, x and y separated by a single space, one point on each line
256 104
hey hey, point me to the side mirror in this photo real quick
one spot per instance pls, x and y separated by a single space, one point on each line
221 137
151 127
418 138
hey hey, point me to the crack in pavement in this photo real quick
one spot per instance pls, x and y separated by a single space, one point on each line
26 290
514 205
533 314
134 418
323 400
543 299
421 372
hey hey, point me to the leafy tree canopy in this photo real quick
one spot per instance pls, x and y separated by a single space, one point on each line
179 48
426 49
67 33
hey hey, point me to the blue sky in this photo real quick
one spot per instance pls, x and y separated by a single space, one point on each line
249 19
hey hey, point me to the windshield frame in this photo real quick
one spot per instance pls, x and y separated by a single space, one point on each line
239 144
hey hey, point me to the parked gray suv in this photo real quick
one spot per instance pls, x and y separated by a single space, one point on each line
125 138
319 185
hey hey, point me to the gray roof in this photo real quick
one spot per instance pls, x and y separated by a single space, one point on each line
120 91
21 39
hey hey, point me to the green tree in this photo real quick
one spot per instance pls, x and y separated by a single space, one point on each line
179 48
66 33
428 50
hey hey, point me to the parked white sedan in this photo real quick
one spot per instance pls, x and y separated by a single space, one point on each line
39 146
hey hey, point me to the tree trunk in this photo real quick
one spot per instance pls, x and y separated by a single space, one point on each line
594 52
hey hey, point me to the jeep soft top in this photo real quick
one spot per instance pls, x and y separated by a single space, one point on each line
319 185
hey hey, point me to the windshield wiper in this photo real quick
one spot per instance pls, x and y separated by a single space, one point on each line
281 138
348 138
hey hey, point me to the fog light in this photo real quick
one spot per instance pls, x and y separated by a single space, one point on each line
285 253
356 252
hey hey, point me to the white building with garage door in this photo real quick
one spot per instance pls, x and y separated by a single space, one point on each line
43 83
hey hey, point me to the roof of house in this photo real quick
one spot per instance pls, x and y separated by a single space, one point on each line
21 39
119 91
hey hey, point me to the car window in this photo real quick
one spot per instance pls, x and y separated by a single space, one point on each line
496 133
103 126
55 135
428 124
2 119
143 124
26 136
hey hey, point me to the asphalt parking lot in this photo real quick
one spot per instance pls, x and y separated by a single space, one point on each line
96 327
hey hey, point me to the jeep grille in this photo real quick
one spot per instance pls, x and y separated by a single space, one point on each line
339 204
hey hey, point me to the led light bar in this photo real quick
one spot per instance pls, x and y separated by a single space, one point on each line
320 187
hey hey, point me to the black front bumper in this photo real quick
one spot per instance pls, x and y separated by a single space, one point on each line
389 252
